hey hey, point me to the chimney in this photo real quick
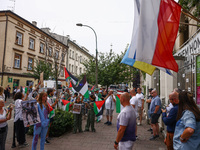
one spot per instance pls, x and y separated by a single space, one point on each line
34 23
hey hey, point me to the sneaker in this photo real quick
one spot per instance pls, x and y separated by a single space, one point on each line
150 129
136 137
23 145
152 138
106 122
139 124
109 123
47 142
157 136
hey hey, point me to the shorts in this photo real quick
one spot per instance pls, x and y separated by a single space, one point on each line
109 112
128 145
139 111
154 118
51 120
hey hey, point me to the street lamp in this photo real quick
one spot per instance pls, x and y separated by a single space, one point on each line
81 25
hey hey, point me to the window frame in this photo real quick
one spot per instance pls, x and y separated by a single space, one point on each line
19 59
17 39
43 48
30 38
28 64
51 51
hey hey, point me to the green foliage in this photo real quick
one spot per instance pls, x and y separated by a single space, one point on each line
190 4
63 122
110 70
40 67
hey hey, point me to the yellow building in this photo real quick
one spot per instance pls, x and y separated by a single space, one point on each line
22 42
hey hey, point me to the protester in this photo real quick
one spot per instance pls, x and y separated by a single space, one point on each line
78 118
170 120
148 101
126 122
91 114
2 95
4 116
6 94
187 131
74 97
126 89
50 93
18 120
40 129
155 111
109 105
140 98
104 94
67 95
8 91
134 103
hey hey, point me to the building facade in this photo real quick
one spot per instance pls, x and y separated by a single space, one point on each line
22 42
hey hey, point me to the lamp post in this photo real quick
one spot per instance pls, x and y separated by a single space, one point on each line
81 25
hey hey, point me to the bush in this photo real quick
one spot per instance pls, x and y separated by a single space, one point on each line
63 122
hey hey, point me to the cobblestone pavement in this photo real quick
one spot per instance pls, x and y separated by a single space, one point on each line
102 139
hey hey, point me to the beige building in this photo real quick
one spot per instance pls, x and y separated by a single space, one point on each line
22 42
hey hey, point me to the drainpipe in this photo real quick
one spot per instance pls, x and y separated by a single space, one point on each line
4 49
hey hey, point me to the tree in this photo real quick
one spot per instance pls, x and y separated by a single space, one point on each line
110 70
191 4
41 66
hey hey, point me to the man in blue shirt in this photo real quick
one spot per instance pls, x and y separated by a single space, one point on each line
155 111
170 120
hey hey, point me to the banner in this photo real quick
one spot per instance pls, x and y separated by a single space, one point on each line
76 108
30 113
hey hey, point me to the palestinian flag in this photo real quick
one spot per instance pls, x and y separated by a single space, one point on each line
119 107
99 107
92 88
82 87
52 112
70 85
69 76
66 104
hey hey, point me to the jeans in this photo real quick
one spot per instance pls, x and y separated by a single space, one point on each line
3 139
42 131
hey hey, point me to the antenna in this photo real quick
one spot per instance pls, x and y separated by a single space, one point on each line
13 7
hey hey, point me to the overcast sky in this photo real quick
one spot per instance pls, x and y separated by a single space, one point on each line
111 19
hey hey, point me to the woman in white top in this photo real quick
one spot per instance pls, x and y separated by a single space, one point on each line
18 121
4 116
2 96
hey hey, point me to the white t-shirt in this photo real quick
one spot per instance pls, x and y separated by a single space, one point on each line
109 104
2 96
3 116
134 101
18 110
140 97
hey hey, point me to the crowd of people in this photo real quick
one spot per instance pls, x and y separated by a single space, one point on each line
181 116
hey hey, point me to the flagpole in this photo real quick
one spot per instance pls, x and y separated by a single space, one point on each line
187 13
190 24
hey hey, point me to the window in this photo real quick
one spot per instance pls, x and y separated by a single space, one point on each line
72 68
76 69
19 38
70 53
31 43
80 59
63 57
50 51
17 61
56 54
30 63
80 70
76 56
62 72
41 48
69 67
73 55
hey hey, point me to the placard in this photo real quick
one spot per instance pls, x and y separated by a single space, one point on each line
30 113
76 108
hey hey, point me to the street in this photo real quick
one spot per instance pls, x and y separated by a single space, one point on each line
102 139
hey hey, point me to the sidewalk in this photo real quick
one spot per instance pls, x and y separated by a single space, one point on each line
102 139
